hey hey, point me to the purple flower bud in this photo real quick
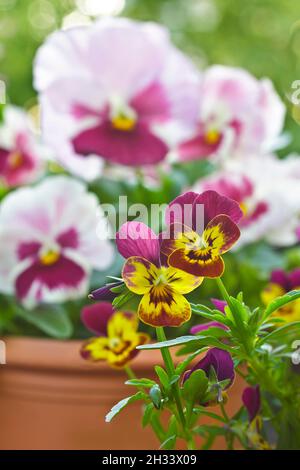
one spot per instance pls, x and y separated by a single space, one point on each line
105 293
251 400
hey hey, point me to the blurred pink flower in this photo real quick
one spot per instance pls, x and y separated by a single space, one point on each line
49 242
268 192
117 89
21 154
238 115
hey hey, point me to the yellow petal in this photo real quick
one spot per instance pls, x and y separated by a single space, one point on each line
181 281
139 274
95 349
162 306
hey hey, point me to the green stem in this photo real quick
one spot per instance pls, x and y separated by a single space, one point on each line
155 422
175 388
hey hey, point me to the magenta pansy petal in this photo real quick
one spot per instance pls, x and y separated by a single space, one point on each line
215 204
28 250
68 239
134 148
64 274
180 210
219 304
152 103
198 148
205 326
294 279
252 401
279 276
137 239
95 317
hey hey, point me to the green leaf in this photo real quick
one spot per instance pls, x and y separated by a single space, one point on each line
280 302
201 410
195 387
51 319
147 383
174 379
163 376
210 314
170 343
149 409
155 395
169 443
122 404
171 435
286 329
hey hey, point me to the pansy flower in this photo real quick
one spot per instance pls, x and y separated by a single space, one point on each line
280 283
50 240
252 401
238 116
145 273
21 154
117 336
116 89
218 367
201 227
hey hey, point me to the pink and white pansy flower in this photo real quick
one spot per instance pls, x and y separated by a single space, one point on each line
21 154
50 241
116 90
268 193
238 115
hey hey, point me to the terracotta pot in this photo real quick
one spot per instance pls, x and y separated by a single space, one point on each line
51 399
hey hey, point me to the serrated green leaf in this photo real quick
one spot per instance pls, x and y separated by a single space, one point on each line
122 404
280 302
51 319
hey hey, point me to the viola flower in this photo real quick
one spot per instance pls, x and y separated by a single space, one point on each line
223 368
280 283
201 227
116 89
49 242
261 199
146 274
21 154
235 112
117 335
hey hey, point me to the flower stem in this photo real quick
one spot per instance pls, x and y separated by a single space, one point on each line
175 388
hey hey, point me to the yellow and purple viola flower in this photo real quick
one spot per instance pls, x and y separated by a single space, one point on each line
223 370
146 274
117 336
116 89
280 283
201 227
234 116
47 251
21 154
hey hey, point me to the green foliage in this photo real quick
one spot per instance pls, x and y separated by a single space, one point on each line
122 404
52 320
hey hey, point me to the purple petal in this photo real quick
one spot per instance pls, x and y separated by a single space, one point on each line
204 326
95 317
68 239
152 104
28 249
222 363
132 148
251 400
105 293
215 204
180 210
279 276
219 304
137 239
294 279
198 148
65 273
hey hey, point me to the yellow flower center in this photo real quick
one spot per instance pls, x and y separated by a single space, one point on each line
15 160
49 257
121 122
212 136
244 208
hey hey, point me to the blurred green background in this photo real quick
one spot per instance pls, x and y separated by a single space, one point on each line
261 35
